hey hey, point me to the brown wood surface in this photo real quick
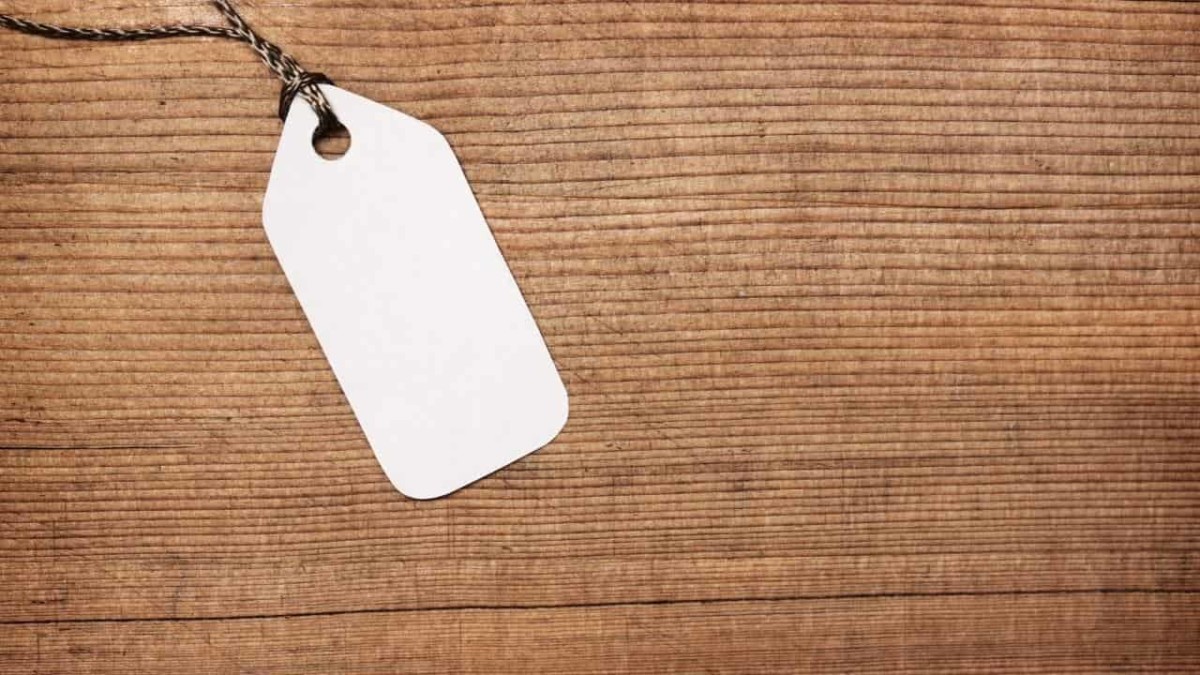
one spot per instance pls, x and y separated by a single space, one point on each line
881 323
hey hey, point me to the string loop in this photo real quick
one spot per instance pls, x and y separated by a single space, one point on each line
296 80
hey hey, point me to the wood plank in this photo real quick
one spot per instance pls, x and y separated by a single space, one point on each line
1068 634
879 322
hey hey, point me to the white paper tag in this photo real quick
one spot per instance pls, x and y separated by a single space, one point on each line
410 298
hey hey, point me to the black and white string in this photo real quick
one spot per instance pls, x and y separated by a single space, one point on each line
296 80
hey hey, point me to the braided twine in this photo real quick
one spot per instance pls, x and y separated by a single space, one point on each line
296 80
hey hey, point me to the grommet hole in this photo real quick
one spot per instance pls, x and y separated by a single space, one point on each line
333 143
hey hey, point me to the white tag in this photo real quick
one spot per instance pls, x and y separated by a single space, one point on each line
410 298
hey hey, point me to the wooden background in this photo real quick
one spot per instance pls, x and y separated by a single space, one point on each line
881 324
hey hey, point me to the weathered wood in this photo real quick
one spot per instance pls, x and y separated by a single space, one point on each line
866 634
880 323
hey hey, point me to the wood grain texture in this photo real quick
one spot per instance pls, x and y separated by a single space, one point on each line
881 323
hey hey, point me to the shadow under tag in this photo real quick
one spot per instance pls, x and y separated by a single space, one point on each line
410 298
